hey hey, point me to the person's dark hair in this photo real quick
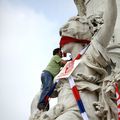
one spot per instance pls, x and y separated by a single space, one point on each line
56 51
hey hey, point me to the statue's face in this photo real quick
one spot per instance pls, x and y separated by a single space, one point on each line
77 27
67 48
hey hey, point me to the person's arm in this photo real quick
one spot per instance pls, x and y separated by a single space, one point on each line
63 62
110 15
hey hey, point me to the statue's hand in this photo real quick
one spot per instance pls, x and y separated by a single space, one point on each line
36 115
80 4
100 111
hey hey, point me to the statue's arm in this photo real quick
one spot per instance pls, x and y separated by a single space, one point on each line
110 15
80 4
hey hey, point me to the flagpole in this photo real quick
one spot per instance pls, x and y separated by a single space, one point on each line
77 98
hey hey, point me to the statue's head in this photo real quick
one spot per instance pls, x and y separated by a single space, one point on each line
79 29
76 30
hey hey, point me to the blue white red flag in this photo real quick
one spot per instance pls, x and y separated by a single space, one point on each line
77 98
118 99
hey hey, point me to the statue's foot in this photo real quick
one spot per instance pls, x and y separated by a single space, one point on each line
43 106
54 94
44 117
36 115
58 109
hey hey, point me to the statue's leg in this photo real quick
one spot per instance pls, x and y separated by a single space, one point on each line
70 115
88 99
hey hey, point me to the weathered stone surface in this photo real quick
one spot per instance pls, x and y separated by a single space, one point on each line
93 76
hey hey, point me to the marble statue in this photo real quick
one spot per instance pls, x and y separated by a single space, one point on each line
97 71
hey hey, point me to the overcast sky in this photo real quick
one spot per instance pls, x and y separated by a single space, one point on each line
29 31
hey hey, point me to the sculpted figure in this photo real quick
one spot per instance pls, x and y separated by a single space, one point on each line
95 73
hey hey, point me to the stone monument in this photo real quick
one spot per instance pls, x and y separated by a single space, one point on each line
98 68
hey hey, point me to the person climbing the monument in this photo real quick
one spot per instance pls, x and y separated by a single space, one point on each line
47 76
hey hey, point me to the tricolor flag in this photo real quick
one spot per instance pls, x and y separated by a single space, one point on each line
118 99
77 98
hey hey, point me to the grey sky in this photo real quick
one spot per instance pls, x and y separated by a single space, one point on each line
28 34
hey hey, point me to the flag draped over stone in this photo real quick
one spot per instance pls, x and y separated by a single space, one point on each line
118 99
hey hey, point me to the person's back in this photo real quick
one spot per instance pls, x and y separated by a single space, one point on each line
54 65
